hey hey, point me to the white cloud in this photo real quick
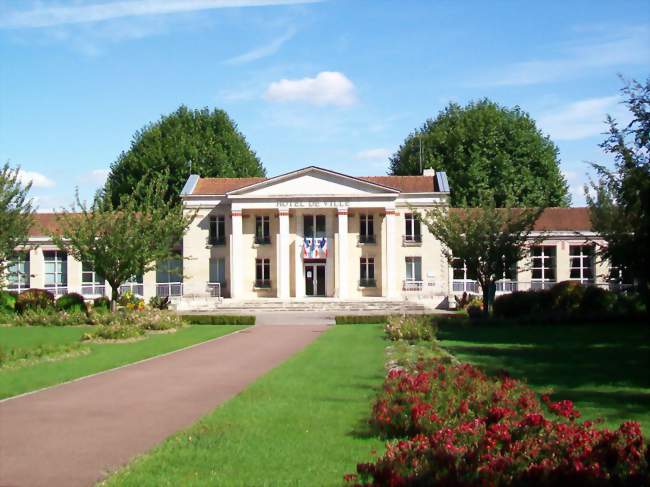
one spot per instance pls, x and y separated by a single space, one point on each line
37 179
377 155
79 13
96 176
263 51
327 88
581 119
628 47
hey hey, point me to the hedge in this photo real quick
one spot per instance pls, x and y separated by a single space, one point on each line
246 320
378 319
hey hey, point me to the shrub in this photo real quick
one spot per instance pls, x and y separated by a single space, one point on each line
32 299
130 301
219 319
597 300
566 296
361 319
120 331
475 312
411 328
71 302
630 304
49 317
468 428
8 301
521 303
102 303
158 302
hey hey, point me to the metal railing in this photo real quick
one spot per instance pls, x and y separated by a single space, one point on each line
465 286
367 239
263 283
56 290
412 286
169 289
220 240
367 283
412 240
214 288
15 287
259 240
136 288
93 290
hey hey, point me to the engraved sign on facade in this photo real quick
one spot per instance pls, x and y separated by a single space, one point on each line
312 204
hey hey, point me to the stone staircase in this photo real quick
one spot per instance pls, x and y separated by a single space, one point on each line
328 305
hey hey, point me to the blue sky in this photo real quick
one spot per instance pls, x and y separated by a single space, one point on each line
336 83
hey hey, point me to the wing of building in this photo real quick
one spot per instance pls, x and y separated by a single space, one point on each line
318 233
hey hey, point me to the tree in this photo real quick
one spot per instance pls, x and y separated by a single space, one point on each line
486 147
123 241
490 240
186 141
620 205
16 215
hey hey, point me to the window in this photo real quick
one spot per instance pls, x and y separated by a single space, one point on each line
464 280
134 285
92 284
218 270
413 269
169 271
262 229
581 263
366 229
217 230
367 272
56 271
262 273
18 272
543 266
314 226
412 234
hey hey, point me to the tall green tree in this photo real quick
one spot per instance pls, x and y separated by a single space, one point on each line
490 240
16 215
126 240
184 142
486 147
620 205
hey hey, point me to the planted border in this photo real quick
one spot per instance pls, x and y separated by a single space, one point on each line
244 320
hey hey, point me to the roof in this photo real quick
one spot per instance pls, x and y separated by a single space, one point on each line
403 184
556 219
44 225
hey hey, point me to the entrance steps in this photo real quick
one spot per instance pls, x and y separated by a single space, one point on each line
331 305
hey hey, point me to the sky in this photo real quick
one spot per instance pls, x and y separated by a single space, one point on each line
332 83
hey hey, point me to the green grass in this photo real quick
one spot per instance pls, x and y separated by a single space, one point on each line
102 356
602 368
303 423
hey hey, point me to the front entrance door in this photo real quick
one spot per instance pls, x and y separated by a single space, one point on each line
315 279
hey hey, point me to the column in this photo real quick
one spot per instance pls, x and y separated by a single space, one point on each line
392 285
36 268
298 267
235 254
342 252
284 267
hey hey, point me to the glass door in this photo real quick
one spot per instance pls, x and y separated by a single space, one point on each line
315 279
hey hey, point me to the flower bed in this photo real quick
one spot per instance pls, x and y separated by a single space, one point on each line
467 428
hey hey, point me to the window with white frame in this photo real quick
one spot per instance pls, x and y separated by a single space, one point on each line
56 271
543 259
262 272
218 271
413 269
412 232
367 272
18 272
461 272
581 263
169 271
620 276
217 233
262 229
366 229
314 226
92 284
133 284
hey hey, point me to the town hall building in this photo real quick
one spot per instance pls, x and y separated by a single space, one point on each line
315 233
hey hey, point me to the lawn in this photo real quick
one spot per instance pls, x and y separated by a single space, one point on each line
303 423
102 356
602 368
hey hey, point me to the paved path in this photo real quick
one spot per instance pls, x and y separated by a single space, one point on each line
75 433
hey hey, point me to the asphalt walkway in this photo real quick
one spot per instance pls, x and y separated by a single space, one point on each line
76 433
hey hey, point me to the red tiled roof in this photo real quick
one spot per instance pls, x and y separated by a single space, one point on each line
44 225
405 184
556 219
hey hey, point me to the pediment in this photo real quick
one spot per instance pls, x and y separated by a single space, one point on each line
313 181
